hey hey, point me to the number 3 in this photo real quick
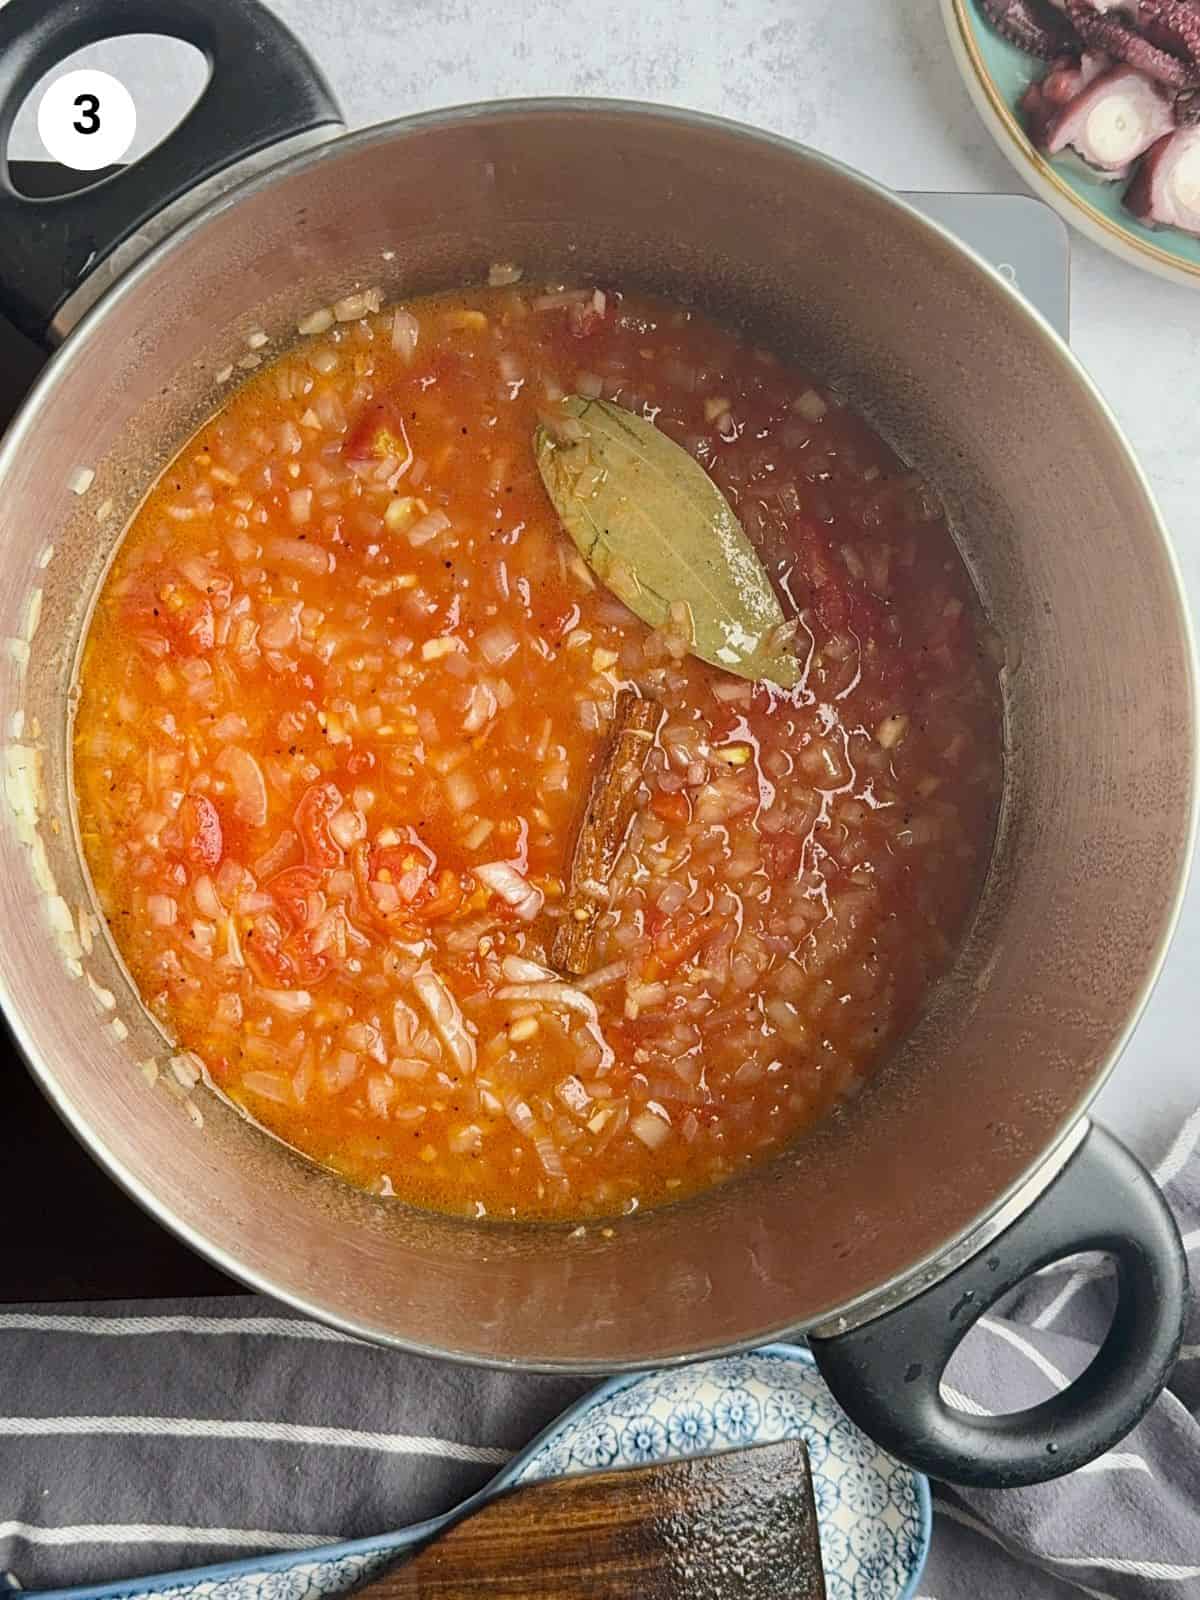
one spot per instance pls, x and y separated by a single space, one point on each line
89 121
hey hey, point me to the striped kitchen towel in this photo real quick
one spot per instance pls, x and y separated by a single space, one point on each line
137 1438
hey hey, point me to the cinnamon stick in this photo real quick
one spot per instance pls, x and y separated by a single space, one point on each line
603 829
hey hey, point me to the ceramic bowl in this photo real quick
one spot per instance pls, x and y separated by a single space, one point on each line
997 74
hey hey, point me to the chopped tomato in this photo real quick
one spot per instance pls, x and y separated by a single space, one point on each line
678 939
445 900
262 947
187 618
671 807
310 965
283 963
202 835
389 862
839 602
583 318
434 896
292 890
783 853
318 804
366 871
378 434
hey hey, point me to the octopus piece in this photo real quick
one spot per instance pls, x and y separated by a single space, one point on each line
1172 25
1114 120
1035 26
1127 8
1047 97
1114 34
1165 193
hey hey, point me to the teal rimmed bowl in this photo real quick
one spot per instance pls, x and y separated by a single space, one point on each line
996 74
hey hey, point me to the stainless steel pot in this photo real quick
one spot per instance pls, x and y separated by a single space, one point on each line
970 1161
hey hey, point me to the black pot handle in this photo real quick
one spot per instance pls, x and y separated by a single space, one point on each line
263 88
886 1374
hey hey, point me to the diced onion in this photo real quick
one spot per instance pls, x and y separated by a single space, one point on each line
406 1025
478 833
269 1085
292 1001
162 910
672 896
205 897
502 878
891 730
340 1070
187 1069
381 1091
731 690
388 896
249 785
352 306
574 1096
347 827
316 321
427 528
446 1017
603 976
481 708
527 1125
645 996
650 1129
299 553
548 1153
229 727
517 969
405 331
461 791
563 995
519 1114
496 644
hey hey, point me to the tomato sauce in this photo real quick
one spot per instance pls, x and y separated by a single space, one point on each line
348 684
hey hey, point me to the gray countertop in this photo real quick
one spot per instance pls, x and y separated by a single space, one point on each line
873 84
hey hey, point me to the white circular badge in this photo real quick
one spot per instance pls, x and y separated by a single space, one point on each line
87 119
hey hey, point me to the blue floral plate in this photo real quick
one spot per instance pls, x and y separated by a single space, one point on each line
874 1514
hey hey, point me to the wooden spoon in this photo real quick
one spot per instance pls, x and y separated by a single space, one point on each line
736 1526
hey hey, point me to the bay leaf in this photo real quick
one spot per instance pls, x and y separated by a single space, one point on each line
655 528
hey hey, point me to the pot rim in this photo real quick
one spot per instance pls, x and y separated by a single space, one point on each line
1021 1193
